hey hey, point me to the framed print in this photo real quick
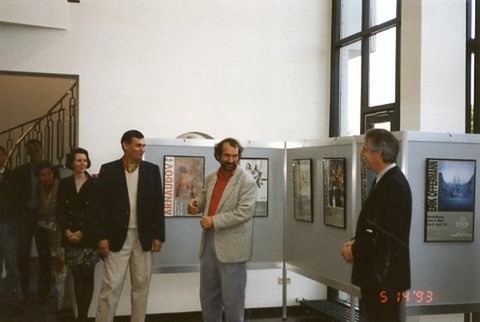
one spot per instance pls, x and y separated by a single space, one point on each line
183 181
302 190
258 168
450 200
334 192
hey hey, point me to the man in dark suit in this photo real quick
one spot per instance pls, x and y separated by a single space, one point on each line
380 249
131 226
9 236
26 205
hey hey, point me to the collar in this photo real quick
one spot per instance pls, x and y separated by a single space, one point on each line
224 174
128 166
384 170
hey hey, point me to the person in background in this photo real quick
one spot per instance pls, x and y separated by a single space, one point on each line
229 201
25 184
77 213
380 249
48 235
131 226
9 236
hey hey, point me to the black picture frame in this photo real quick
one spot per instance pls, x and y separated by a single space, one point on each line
450 200
334 192
183 180
302 190
258 168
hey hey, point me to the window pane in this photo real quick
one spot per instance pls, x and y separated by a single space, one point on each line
383 125
382 68
351 17
382 10
349 85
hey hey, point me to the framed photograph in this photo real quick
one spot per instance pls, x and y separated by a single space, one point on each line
334 192
450 200
183 178
258 168
302 190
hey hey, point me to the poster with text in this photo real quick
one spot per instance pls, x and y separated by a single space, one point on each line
449 200
183 181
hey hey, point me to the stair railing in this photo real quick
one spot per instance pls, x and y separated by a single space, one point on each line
56 130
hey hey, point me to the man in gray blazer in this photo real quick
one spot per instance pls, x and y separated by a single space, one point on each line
228 203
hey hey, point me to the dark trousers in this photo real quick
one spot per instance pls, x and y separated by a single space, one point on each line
83 281
9 250
380 306
29 229
44 261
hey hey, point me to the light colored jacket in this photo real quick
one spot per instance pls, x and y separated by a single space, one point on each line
233 220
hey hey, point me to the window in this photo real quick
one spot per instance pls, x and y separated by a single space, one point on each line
472 120
365 66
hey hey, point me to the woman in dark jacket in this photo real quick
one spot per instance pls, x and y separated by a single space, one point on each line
77 217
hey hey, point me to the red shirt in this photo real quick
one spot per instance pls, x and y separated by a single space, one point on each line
223 176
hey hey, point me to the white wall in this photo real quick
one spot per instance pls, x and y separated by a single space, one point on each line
433 66
410 63
443 66
250 69
43 13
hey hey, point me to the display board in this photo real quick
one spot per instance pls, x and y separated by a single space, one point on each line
183 232
444 273
313 248
444 277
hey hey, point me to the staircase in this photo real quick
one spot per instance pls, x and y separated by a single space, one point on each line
56 129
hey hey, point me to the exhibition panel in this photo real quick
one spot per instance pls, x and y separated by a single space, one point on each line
310 196
183 163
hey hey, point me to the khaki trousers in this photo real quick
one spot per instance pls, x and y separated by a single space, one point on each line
115 270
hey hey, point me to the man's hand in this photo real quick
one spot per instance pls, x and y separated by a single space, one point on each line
103 247
206 222
347 251
193 207
156 245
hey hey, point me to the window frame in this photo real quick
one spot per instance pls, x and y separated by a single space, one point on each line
472 124
364 36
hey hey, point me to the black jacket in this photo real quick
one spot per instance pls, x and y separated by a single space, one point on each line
381 249
78 211
22 180
115 205
7 214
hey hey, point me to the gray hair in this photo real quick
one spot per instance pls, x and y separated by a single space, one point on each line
384 142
